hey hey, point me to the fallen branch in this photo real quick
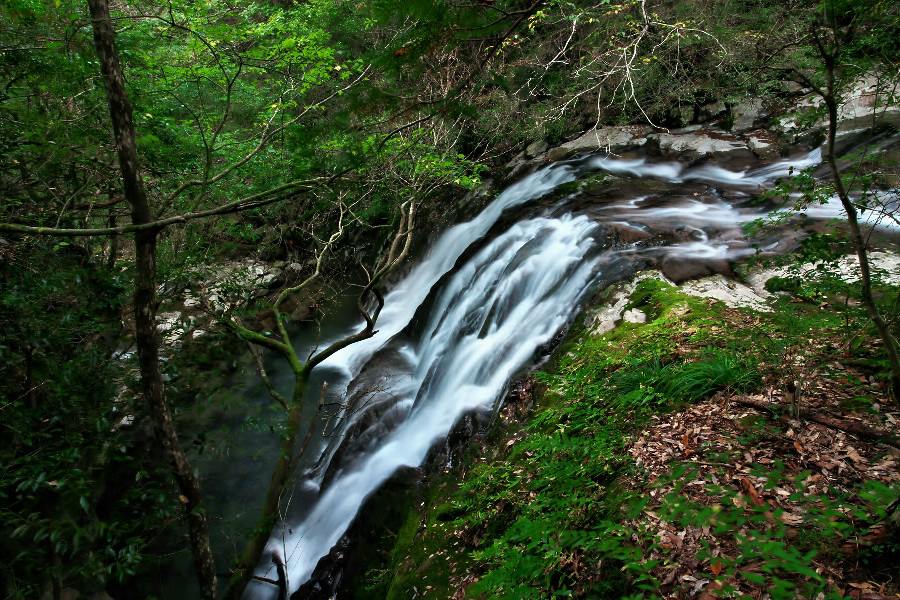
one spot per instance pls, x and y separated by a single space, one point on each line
858 429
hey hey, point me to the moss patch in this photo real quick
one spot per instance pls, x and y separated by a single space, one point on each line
558 506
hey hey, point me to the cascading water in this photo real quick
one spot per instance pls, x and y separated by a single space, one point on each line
486 319
510 298
402 302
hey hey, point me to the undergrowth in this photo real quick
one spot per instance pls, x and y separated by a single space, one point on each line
554 512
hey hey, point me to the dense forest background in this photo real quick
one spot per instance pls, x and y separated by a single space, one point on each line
304 133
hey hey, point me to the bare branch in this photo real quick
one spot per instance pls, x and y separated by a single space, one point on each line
402 238
261 369
255 201
285 293
267 135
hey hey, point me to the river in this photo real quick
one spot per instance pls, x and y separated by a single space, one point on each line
481 303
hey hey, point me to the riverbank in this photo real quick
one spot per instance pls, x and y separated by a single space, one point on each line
646 467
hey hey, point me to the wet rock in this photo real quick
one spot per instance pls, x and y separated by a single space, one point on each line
518 166
746 114
763 143
607 139
678 269
468 428
692 143
369 536
327 575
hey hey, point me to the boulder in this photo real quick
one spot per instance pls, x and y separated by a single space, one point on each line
692 142
606 139
535 148
763 144
863 106
746 114
867 96
634 315
613 310
678 269
732 293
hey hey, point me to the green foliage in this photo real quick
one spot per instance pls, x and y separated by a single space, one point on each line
555 511
80 498
685 382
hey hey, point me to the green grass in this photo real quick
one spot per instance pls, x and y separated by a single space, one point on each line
544 512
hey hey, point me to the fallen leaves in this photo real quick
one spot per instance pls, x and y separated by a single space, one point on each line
731 447
755 496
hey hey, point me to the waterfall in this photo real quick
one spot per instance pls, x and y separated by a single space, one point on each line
486 324
480 322
405 298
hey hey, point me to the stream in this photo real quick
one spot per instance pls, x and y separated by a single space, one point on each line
483 303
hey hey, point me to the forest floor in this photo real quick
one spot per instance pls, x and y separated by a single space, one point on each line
706 452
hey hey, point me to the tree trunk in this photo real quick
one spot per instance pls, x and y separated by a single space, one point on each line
263 531
859 241
146 335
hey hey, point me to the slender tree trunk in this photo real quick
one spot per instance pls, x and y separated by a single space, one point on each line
146 335
859 241
252 553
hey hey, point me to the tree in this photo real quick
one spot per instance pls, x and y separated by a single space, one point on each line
846 39
146 335
281 344
239 102
145 228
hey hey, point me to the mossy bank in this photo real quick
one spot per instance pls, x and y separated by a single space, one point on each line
640 473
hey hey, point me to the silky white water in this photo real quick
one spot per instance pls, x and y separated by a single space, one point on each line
402 302
489 317
487 322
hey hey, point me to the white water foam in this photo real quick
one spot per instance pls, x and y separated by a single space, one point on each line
678 173
486 323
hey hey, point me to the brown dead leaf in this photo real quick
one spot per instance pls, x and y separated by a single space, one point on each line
858 461
791 518
686 444
755 497
861 585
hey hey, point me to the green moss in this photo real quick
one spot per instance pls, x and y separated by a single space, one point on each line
790 285
545 512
